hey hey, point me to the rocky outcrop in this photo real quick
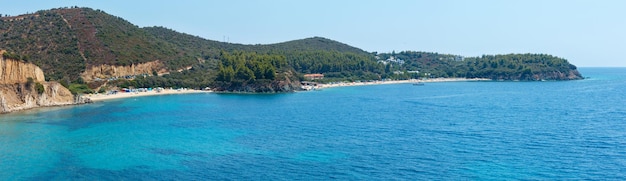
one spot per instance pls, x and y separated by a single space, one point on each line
538 76
15 71
17 92
113 71
556 75
21 96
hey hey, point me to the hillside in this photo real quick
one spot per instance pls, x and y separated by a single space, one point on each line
524 67
313 44
196 44
80 38
310 55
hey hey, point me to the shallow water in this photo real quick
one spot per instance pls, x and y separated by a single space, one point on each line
452 130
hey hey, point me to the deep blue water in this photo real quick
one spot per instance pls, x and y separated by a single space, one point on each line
451 131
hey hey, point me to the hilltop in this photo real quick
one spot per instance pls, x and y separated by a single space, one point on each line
82 46
198 44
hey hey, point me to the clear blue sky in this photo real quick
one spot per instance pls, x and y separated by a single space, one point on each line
587 33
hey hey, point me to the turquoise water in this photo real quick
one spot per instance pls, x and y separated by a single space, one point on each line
452 131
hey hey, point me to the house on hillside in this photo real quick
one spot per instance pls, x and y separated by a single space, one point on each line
313 76
391 59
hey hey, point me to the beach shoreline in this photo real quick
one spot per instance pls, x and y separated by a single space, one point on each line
122 95
433 80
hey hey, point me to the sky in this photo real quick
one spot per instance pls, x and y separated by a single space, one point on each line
585 32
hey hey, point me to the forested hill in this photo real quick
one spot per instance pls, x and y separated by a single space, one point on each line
525 67
336 60
519 67
198 44
314 44
194 45
82 47
208 49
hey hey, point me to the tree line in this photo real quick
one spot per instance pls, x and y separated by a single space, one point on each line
497 67
248 67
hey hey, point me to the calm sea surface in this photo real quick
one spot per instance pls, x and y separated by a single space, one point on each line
451 131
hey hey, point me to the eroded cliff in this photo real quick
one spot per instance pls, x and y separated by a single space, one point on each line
112 71
14 71
18 92
21 96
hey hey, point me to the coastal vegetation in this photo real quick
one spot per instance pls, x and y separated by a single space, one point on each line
249 67
525 67
66 42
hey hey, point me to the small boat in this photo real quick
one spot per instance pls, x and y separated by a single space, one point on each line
418 84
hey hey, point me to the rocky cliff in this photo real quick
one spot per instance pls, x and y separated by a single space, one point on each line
538 76
13 71
111 71
21 96
17 92
556 75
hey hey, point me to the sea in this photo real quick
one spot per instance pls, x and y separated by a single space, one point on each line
552 130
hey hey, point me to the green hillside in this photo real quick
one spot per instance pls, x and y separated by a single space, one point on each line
76 38
194 45
200 45
311 55
525 67
312 44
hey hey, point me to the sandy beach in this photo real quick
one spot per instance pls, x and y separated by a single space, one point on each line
344 84
120 95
